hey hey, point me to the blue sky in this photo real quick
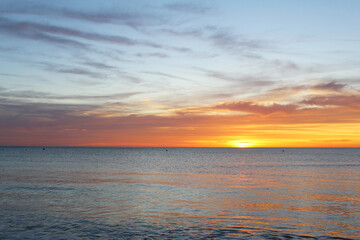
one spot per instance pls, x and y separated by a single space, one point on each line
163 58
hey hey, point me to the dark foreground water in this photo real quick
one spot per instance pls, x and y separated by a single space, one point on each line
183 193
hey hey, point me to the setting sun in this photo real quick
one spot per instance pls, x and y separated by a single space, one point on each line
131 75
242 144
179 119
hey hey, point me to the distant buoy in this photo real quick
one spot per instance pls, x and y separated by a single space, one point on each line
43 148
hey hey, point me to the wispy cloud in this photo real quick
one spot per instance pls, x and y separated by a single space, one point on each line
164 75
63 69
48 96
223 39
352 101
330 86
50 123
78 71
8 49
155 54
258 81
38 32
101 73
131 78
301 91
247 106
285 66
98 65
50 33
112 14
187 8
47 123
131 19
10 75
131 72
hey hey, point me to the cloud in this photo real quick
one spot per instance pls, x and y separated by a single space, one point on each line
286 66
87 82
247 106
48 96
98 65
285 91
334 100
223 39
36 32
156 54
78 71
8 49
57 68
113 14
10 75
181 49
302 91
257 81
131 78
222 76
89 73
187 8
27 123
72 37
129 19
29 114
331 86
164 75
46 32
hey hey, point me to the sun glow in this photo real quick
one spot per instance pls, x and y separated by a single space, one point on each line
242 144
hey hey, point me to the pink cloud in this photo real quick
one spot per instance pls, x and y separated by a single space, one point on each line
247 106
334 100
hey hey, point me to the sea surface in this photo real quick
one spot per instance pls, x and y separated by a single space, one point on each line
179 193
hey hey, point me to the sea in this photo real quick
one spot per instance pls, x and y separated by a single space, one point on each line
179 193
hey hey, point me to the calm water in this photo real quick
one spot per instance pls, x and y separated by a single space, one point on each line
183 193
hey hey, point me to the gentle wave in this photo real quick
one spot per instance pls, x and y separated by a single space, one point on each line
67 193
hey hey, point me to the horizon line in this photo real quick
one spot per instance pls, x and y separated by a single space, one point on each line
77 146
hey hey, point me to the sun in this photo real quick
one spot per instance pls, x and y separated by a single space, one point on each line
241 144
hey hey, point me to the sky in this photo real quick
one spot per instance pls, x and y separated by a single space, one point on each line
213 73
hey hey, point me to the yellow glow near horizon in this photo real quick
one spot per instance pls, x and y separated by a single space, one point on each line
242 144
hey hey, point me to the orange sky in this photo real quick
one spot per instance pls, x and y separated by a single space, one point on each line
180 73
238 125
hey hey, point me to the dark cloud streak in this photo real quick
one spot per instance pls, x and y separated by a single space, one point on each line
43 32
333 86
99 65
48 96
36 32
114 15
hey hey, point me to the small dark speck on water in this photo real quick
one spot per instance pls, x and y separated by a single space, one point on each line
190 193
